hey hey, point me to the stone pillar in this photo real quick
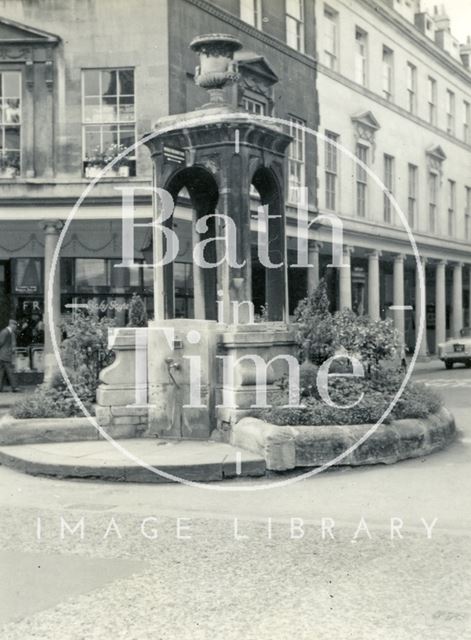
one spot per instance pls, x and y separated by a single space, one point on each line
51 236
440 303
469 297
421 307
313 270
161 303
398 294
345 280
373 285
457 298
198 278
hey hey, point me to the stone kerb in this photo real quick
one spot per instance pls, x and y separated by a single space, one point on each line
285 448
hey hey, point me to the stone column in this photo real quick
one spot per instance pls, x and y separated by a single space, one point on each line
198 277
313 270
421 307
469 297
457 298
398 294
373 285
345 280
51 236
440 303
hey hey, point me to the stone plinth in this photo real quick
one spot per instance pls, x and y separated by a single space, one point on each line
237 388
117 395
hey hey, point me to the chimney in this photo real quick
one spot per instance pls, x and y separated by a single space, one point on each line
441 18
465 53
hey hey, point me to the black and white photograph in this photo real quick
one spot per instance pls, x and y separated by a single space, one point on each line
235 319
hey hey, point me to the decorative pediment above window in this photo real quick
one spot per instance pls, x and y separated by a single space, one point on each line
15 33
257 78
24 44
435 158
365 127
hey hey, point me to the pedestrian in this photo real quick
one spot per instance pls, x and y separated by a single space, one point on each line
7 352
403 357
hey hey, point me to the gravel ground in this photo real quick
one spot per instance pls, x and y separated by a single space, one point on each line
213 586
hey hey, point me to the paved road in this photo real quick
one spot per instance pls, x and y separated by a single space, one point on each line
314 559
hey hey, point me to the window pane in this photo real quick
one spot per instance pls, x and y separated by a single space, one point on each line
90 272
126 82
126 108
291 33
109 136
11 110
92 109
11 84
127 136
12 138
92 140
294 8
109 109
109 82
91 80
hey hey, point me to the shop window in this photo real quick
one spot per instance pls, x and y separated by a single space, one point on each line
10 124
109 120
28 275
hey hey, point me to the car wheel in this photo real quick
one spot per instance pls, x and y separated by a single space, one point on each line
467 364
448 365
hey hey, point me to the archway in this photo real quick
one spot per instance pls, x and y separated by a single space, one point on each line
269 282
203 192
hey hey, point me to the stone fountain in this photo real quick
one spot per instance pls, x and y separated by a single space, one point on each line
216 152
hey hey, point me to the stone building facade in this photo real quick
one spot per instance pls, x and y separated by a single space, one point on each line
383 79
395 91
80 84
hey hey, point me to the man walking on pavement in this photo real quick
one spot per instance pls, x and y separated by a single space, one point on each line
7 352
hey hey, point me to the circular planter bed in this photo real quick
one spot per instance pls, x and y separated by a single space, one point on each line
304 446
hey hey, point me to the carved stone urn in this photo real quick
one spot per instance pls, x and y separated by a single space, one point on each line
217 67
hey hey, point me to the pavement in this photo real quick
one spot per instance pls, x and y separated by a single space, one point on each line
8 399
323 557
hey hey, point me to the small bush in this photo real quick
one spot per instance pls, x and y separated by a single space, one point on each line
54 400
416 401
83 352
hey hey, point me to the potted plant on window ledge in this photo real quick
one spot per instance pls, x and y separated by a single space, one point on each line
9 164
95 162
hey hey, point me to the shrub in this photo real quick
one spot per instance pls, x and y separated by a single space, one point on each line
54 400
83 352
321 335
416 401
137 312
372 340
314 331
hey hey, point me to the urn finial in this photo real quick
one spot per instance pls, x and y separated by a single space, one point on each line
217 67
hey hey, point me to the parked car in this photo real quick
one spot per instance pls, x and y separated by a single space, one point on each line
456 349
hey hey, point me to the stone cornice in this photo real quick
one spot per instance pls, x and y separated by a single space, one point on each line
240 25
419 39
338 77
369 230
